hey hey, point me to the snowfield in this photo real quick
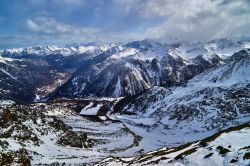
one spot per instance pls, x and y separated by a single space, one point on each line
229 147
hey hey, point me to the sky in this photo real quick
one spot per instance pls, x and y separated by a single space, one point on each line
61 22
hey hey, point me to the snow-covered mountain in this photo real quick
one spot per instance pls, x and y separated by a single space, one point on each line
223 47
116 70
64 57
28 74
23 80
50 49
234 74
10 87
210 101
132 68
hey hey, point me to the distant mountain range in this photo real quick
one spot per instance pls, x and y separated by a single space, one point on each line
112 70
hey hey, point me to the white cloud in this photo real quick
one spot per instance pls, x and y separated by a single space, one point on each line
191 19
182 19
48 29
50 26
75 2
68 2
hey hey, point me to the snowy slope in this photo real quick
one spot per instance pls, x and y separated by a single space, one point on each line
228 147
206 104
42 131
235 73
29 136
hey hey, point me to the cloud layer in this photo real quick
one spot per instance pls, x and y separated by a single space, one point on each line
49 26
70 21
193 19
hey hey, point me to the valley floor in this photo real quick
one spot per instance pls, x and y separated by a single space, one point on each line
228 147
115 141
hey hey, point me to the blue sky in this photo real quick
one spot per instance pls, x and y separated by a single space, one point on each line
40 22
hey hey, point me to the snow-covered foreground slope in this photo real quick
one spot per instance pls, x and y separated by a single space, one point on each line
46 133
55 132
29 136
228 147
43 124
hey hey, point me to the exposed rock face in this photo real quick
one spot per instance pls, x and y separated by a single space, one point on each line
19 157
73 139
